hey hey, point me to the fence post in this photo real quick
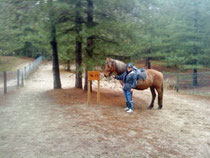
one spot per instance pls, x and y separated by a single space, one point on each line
18 77
25 72
177 82
5 82
22 79
29 69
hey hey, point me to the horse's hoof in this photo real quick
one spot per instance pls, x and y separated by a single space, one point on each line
160 107
150 107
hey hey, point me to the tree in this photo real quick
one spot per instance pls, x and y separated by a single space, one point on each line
78 28
16 20
186 42
89 40
88 30
102 29
34 22
53 42
72 20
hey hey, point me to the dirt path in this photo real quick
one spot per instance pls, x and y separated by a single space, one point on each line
33 125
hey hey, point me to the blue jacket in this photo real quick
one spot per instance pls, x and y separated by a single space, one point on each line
129 80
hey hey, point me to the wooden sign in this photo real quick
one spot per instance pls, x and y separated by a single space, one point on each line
94 75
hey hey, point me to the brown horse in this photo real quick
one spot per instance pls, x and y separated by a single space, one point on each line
154 79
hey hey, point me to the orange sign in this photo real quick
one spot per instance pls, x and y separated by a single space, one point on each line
93 75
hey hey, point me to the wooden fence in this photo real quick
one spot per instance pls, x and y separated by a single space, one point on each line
11 79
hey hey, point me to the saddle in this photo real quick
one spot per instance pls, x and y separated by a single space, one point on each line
141 73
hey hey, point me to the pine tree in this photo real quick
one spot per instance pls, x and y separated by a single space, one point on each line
53 42
187 32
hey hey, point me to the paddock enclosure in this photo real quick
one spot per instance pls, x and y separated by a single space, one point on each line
36 121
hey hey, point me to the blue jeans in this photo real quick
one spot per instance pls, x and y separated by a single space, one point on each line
128 98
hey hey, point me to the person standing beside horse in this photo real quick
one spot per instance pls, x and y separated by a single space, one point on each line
129 79
153 80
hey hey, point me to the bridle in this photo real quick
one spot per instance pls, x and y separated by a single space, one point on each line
111 66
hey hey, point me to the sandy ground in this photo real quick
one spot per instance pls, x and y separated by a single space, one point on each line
33 124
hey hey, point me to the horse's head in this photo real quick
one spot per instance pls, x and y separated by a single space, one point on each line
109 67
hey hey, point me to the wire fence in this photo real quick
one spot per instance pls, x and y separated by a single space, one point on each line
12 79
183 82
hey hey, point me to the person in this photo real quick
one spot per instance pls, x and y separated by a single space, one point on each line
129 79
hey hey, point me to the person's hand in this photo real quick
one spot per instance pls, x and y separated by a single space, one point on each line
113 76
132 90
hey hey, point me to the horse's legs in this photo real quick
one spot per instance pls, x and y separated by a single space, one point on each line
152 89
160 97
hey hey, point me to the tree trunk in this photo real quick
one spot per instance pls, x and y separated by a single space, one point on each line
148 63
90 42
86 81
68 65
89 52
56 71
90 12
195 77
78 83
53 42
195 53
78 23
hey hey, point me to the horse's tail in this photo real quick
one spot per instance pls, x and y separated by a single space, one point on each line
162 93
162 83
162 87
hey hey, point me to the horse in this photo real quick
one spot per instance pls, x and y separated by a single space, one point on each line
154 79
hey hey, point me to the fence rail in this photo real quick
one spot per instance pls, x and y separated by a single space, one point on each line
12 79
184 82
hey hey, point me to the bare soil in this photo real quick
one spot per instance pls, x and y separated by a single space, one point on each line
36 121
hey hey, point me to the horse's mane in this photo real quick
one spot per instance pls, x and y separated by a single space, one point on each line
120 66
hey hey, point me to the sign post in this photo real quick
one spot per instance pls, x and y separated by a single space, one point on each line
94 75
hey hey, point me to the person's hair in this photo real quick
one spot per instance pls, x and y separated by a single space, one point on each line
129 65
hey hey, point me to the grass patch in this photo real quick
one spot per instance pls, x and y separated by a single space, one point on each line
8 63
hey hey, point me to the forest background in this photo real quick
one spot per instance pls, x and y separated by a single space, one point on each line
85 32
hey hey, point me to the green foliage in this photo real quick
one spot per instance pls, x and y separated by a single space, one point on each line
19 20
176 31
